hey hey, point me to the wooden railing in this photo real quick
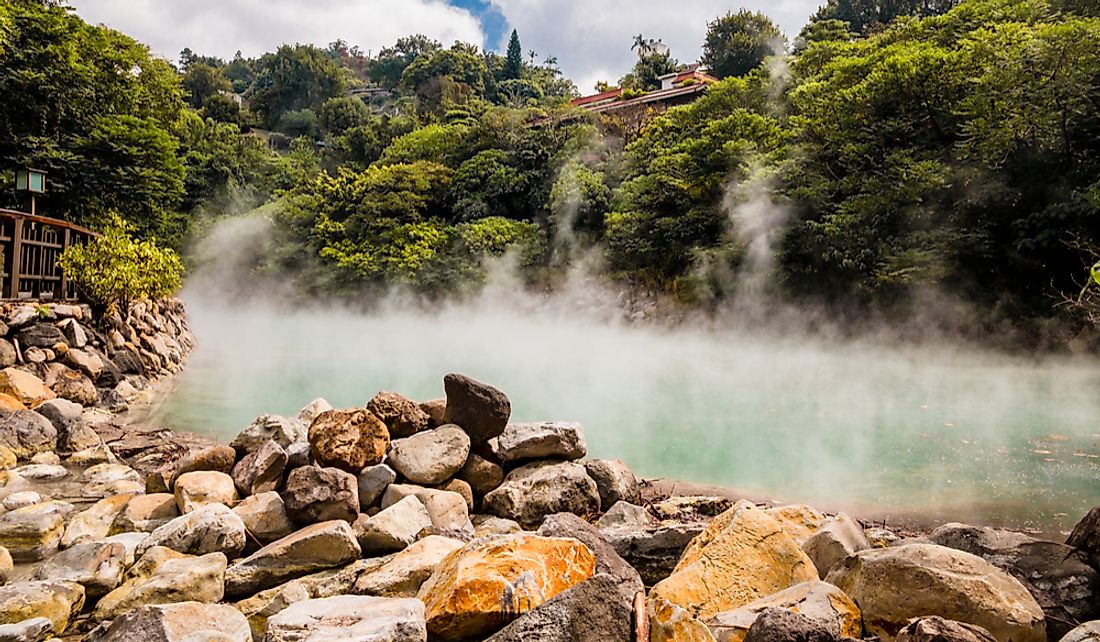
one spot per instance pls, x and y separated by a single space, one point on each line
31 246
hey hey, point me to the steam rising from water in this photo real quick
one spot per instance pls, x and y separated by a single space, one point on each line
870 425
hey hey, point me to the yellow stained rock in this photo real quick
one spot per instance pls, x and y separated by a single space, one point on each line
799 521
26 388
487 583
742 556
670 623
9 402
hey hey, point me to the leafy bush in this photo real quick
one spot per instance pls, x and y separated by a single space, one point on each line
115 270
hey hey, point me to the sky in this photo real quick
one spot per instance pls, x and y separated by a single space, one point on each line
590 38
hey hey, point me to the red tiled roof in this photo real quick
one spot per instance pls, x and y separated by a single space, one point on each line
587 100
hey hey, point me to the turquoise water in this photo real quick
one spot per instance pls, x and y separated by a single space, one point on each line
946 433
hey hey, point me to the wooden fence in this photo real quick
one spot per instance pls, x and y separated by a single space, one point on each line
30 246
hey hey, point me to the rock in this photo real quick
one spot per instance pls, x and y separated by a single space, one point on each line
670 623
130 542
315 494
350 617
893 585
483 476
837 538
823 604
608 562
88 363
624 514
21 499
430 457
178 622
372 482
591 611
71 384
435 409
202 487
936 629
448 511
8 459
1086 537
75 335
31 533
691 507
37 629
52 459
62 413
264 516
215 458
403 574
798 521
777 624
171 579
480 409
880 537
78 437
297 455
8 356
41 472
653 550
543 440
105 480
94 523
488 525
311 549
487 582
615 482
348 439
1063 584
743 555
57 601
208 529
7 565
40 335
21 316
146 513
282 430
97 566
310 411
27 433
403 417
536 490
461 488
261 470
1087 632
393 528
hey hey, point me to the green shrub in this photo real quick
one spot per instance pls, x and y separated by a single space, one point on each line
115 270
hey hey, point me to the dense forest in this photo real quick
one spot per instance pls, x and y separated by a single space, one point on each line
894 147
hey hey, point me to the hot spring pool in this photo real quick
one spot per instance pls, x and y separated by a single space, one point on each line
944 432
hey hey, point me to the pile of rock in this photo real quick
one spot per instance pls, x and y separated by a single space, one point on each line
54 350
407 522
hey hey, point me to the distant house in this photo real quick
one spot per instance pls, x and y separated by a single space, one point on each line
679 88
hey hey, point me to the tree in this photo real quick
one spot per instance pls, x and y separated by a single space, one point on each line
513 63
294 79
647 72
864 16
739 42
343 113
387 69
458 63
202 82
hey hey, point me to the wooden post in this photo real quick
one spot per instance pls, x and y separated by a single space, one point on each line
63 295
16 257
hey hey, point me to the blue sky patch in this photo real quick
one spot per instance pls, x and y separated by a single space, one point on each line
492 20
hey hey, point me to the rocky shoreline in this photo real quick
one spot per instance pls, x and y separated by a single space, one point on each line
407 521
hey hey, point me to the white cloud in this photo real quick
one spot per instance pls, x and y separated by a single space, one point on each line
221 27
592 38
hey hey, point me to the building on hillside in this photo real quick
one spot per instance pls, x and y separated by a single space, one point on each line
679 88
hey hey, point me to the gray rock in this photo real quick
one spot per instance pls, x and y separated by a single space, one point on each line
62 413
75 335
41 472
1086 537
40 335
820 602
282 430
209 529
315 494
97 566
653 550
178 622
146 513
782 625
834 540
167 581
37 629
393 528
430 457
623 514
483 475
373 481
314 548
1063 584
591 611
27 433
448 511
544 440
403 574
87 362
608 562
539 489
21 316
8 355
264 516
350 617
615 482
310 411
690 507
936 629
491 526
1087 632
261 470
480 409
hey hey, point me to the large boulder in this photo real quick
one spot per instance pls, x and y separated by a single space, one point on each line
172 577
216 458
782 625
202 487
742 556
97 566
448 511
393 528
822 603
798 520
488 582
311 549
27 433
894 585
264 517
403 416
615 482
653 549
536 490
430 457
1087 632
95 522
146 513
284 431
40 335
350 617
31 533
1064 585
315 494
836 539
403 574
591 611
177 622
212 528
480 409
261 470
936 629
27 388
608 562
542 440
1086 537
671 623
57 601
348 439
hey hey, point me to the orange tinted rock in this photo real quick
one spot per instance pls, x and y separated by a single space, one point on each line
27 389
481 587
8 402
349 440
